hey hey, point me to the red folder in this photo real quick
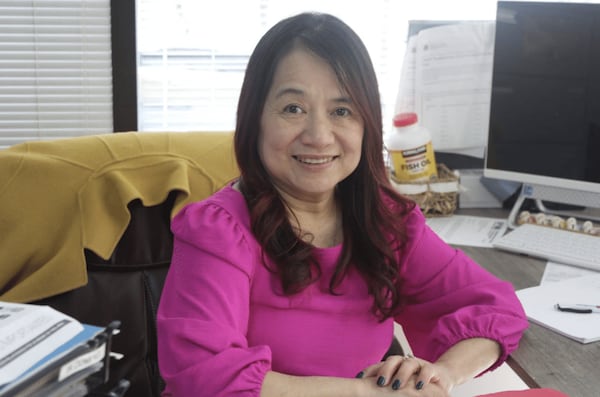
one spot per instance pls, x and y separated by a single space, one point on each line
527 393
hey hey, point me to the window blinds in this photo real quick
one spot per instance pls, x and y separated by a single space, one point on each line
55 69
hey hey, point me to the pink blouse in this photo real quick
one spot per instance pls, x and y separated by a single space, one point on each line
223 321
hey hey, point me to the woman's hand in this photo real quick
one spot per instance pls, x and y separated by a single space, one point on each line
408 373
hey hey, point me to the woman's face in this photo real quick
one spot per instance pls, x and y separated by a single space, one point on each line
311 133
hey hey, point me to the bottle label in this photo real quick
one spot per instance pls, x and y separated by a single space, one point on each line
414 164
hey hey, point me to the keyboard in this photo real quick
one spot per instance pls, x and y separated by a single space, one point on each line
556 245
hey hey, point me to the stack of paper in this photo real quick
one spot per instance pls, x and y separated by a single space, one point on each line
46 353
539 303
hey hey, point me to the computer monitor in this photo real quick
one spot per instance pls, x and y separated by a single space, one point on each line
544 127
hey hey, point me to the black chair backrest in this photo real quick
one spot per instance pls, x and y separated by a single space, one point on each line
127 287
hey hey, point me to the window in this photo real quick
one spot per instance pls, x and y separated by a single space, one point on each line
55 69
192 54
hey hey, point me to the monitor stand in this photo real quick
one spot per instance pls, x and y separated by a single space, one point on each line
538 193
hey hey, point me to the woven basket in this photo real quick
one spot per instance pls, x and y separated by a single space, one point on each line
436 197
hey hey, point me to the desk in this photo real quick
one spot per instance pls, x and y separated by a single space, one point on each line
544 358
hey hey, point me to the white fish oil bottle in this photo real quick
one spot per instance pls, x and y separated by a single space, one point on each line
410 148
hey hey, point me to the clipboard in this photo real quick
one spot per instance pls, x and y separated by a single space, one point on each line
73 369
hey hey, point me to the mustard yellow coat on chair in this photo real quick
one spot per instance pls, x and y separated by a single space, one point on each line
59 197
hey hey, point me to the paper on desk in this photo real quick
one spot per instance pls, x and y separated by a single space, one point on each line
539 302
28 333
556 272
446 79
468 230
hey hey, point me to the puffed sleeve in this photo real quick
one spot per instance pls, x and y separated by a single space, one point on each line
449 297
203 313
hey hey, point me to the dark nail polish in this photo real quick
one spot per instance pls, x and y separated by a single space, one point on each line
396 384
360 374
381 381
420 385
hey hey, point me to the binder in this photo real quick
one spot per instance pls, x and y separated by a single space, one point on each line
73 369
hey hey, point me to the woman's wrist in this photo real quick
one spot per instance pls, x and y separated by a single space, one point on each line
468 358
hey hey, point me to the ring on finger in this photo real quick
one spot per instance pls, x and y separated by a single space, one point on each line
409 357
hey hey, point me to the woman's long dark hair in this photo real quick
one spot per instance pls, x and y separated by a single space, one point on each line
372 212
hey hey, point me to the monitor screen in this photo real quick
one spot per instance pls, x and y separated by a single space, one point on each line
545 104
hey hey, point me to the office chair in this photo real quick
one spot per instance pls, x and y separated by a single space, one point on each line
85 226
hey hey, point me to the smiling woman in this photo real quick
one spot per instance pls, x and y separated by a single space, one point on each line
311 135
289 279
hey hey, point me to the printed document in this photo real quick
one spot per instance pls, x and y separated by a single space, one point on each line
466 230
446 79
28 333
556 272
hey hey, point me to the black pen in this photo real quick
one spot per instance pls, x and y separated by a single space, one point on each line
577 308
